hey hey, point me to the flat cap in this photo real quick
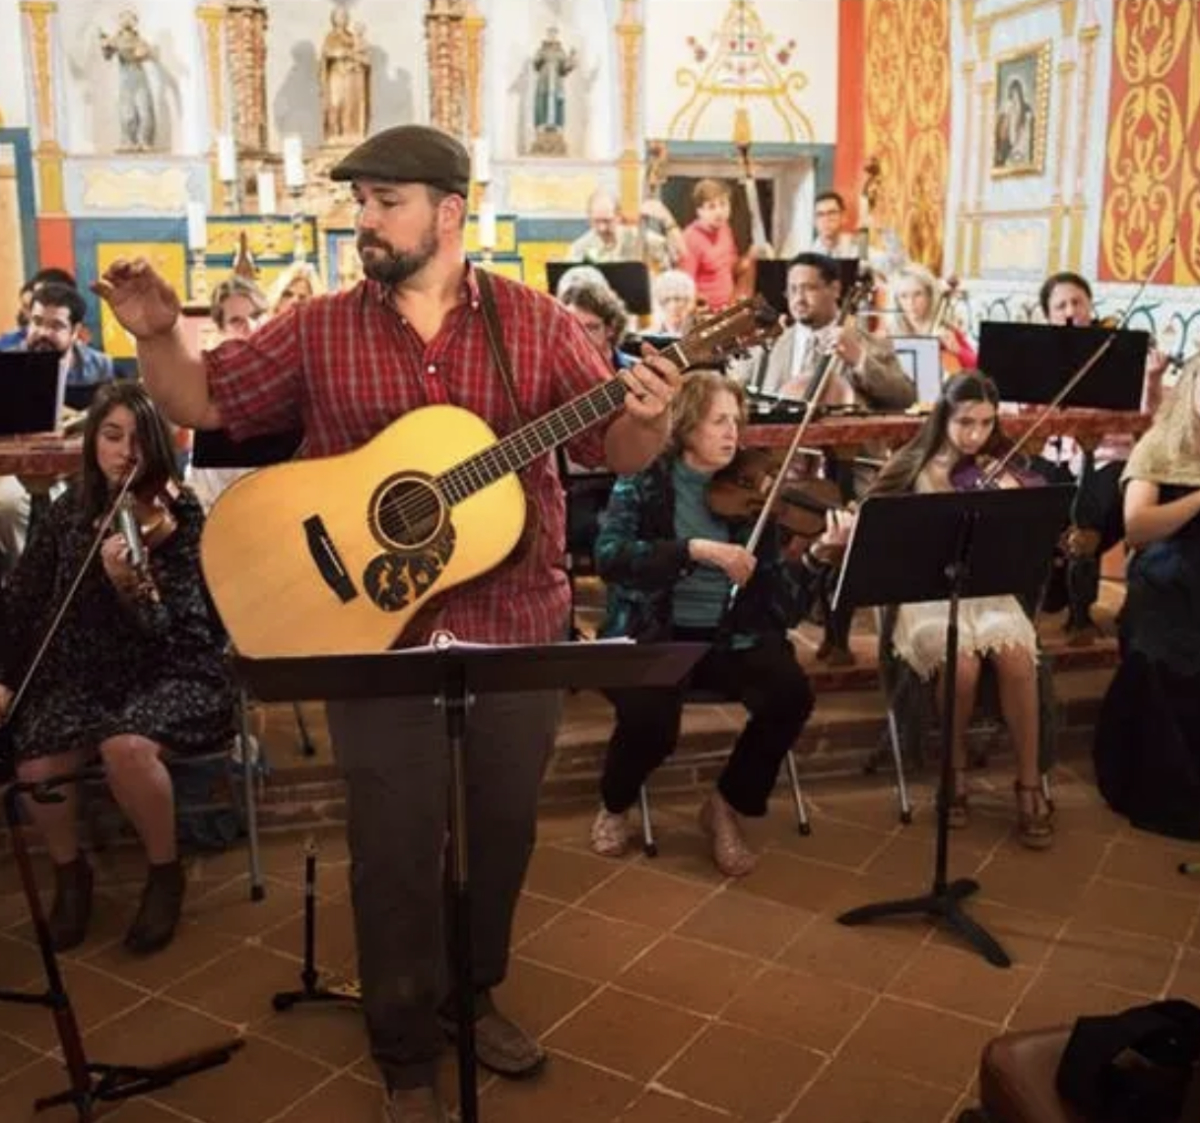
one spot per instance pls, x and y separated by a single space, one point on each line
409 154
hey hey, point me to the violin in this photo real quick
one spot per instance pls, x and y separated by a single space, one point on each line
740 490
145 520
991 470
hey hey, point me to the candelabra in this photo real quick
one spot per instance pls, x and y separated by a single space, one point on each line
294 179
197 244
485 209
199 276
227 172
299 252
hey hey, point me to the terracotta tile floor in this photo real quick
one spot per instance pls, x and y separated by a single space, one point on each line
662 992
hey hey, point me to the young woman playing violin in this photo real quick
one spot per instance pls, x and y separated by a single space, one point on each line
961 438
669 563
135 668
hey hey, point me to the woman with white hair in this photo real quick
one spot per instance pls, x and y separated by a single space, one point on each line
674 302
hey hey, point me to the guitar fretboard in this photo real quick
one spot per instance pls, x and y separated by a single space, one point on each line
524 445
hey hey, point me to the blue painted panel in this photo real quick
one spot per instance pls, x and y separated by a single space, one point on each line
26 195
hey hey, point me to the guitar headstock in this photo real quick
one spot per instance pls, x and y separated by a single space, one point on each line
726 333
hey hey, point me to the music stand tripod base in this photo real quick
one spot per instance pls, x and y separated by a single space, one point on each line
309 991
940 904
92 1082
957 545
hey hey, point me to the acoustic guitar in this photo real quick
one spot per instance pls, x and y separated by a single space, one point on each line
337 555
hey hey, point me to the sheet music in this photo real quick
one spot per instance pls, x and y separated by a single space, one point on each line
447 641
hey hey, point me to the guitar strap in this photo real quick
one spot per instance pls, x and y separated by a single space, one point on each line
491 323
495 338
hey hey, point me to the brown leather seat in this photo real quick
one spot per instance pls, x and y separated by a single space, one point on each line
1017 1078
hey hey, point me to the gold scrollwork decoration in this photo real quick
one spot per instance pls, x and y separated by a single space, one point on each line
742 66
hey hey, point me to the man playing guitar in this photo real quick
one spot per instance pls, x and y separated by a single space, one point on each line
345 366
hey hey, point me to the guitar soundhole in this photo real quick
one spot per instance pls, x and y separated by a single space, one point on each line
406 513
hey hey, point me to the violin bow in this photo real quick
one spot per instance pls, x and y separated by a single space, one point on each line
44 646
1001 465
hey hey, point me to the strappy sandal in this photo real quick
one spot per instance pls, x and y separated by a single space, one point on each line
1035 818
610 833
959 814
730 852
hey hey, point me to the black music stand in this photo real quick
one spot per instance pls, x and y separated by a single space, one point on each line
906 549
92 1082
450 674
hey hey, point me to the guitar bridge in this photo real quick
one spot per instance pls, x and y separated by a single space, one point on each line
327 560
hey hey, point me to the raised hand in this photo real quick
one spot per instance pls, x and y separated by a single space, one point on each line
143 303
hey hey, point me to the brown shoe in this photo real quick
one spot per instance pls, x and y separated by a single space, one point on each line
500 1044
730 852
1035 817
72 908
413 1105
158 914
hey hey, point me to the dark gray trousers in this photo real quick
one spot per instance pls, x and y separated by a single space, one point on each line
395 758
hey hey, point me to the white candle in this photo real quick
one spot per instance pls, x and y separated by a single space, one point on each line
487 226
226 159
293 162
266 193
197 226
481 160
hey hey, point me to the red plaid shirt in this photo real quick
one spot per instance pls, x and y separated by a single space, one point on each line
347 365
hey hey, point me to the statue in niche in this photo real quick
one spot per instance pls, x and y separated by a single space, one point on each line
135 103
345 80
551 65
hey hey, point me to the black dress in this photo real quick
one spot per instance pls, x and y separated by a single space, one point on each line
1147 749
115 665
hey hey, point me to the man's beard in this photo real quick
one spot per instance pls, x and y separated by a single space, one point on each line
398 265
43 344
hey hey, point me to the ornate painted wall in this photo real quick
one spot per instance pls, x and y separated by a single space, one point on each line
1152 170
706 62
906 105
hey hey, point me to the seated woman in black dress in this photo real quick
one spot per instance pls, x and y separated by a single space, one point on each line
669 563
132 671
1148 737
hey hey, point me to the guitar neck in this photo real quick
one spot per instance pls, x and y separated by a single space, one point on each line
524 445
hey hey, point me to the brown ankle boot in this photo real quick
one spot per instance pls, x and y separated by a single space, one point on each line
72 908
158 914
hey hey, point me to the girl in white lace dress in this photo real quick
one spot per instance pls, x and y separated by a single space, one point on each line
996 629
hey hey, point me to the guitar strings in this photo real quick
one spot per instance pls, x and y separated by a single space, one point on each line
411 509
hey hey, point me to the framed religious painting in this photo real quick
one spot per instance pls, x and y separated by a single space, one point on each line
1022 110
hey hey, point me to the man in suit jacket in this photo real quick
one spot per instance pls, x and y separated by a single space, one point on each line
871 377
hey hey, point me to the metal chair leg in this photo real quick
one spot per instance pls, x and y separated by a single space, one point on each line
249 763
307 748
802 823
649 846
906 815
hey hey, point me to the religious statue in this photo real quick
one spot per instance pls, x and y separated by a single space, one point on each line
345 80
551 65
135 104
